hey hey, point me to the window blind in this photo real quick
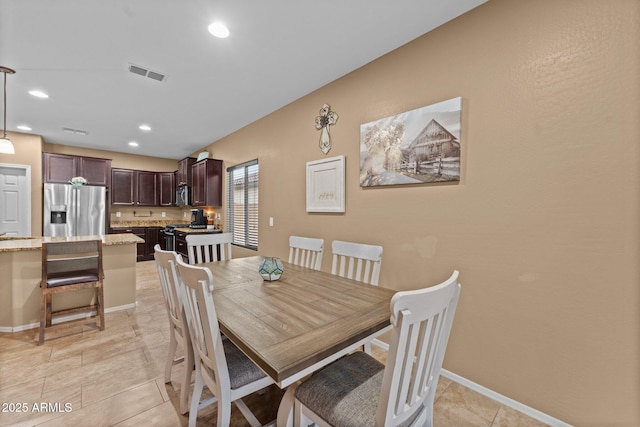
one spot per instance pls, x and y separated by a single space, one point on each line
243 203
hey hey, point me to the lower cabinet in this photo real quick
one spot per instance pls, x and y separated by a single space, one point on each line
150 235
181 243
152 239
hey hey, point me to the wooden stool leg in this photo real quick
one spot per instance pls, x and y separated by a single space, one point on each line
101 306
43 317
49 310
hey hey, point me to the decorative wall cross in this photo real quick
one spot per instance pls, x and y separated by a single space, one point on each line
323 121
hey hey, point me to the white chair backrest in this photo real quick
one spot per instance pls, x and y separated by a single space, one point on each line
203 324
306 251
170 284
421 322
204 247
356 261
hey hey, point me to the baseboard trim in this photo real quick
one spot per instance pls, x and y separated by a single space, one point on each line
503 400
67 318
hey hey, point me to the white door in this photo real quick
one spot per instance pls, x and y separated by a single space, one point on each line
15 200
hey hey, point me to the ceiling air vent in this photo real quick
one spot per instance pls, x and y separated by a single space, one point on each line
136 69
75 131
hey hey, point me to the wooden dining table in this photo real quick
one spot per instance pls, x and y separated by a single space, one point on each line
295 325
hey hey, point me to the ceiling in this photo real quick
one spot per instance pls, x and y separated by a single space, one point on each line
79 53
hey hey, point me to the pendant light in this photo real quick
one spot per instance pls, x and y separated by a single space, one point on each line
5 143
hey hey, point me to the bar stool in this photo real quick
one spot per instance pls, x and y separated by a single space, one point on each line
67 267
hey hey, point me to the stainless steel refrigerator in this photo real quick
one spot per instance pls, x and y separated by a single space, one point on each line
71 210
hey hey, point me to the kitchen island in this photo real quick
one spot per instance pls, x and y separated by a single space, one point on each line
21 271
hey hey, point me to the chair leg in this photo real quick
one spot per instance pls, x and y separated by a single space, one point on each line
195 400
101 307
224 413
186 380
43 317
173 345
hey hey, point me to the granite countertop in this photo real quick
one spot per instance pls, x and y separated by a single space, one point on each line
147 223
198 230
14 244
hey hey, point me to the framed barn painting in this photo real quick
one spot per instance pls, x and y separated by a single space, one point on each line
416 147
325 185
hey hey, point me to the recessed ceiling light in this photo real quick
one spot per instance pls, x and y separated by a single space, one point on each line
24 127
144 127
218 29
133 144
38 94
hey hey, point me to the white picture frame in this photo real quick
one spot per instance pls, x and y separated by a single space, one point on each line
325 185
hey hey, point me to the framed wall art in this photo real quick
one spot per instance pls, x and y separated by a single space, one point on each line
325 185
415 147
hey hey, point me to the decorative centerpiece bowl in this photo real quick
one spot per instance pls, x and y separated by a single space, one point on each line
271 269
78 180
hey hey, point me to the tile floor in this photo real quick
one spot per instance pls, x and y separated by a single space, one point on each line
82 376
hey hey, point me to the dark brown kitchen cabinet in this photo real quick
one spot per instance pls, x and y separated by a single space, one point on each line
206 183
141 248
96 171
151 240
166 189
133 188
183 176
162 240
146 188
181 243
123 187
60 168
150 235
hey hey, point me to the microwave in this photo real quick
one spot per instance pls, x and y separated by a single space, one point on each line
182 196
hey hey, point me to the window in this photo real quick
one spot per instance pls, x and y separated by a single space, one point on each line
243 204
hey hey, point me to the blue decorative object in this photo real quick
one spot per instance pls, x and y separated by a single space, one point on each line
271 269
78 181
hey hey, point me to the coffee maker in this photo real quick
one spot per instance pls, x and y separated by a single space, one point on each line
198 219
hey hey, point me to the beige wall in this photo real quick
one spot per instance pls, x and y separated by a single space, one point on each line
543 225
28 153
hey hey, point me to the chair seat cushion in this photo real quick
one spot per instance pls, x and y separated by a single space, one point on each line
242 370
71 277
345 393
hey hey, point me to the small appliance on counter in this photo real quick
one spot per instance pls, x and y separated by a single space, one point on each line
198 219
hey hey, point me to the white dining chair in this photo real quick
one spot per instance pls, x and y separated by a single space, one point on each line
360 262
358 390
178 331
356 261
228 373
306 251
209 247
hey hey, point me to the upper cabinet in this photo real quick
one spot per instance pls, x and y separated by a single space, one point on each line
60 168
146 188
206 183
133 188
166 188
122 187
183 176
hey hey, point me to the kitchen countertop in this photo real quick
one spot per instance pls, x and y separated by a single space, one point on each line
147 223
198 230
13 244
